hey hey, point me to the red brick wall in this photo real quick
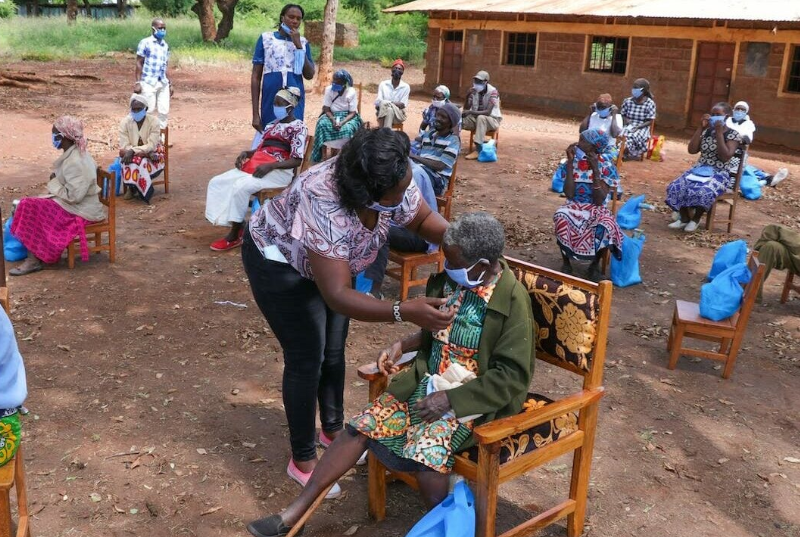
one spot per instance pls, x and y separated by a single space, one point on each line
777 118
432 58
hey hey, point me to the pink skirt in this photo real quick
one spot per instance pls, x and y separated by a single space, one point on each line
46 229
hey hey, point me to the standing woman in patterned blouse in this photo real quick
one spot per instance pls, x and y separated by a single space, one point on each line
302 252
637 111
281 59
694 192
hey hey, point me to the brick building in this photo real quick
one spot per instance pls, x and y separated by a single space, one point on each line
560 54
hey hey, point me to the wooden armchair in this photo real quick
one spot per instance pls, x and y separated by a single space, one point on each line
510 447
269 193
12 475
788 285
3 285
727 199
94 232
164 179
686 322
407 263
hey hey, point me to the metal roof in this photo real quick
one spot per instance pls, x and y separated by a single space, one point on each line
745 10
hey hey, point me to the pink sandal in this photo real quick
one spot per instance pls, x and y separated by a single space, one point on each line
302 479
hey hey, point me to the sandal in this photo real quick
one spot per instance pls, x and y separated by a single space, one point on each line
271 526
26 268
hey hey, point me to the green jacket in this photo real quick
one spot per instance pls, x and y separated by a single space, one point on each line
506 354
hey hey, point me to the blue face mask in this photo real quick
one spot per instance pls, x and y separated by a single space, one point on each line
160 33
280 112
580 153
138 116
375 206
604 113
637 92
713 120
337 87
286 29
739 115
461 276
56 140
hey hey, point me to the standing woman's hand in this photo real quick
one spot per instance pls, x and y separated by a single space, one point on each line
427 313
295 35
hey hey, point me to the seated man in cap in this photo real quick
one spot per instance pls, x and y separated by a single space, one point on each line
481 111
393 97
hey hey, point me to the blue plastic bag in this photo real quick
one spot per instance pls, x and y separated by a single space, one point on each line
116 167
454 517
488 152
625 272
729 254
749 185
721 298
629 215
13 250
557 184
363 284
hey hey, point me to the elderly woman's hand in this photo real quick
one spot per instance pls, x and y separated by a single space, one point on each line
571 151
127 158
389 357
243 156
262 170
433 406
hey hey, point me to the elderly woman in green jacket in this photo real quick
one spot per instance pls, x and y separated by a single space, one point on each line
476 370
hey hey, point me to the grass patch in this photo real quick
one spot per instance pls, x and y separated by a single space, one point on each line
48 39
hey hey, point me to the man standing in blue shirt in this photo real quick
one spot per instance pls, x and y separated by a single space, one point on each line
152 56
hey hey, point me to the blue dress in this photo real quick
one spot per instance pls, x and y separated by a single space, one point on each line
277 58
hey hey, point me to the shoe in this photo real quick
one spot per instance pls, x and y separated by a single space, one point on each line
224 244
676 216
677 224
691 227
472 156
271 526
782 174
128 194
302 479
27 267
325 442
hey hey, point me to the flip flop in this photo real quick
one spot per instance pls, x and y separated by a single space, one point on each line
20 271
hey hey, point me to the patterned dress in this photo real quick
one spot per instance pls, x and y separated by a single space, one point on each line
688 192
394 426
636 114
583 228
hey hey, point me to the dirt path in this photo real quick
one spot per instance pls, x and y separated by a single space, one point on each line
157 411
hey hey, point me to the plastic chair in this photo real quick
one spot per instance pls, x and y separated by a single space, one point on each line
94 232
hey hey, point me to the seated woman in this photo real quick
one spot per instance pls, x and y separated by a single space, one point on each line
46 225
339 118
585 228
694 192
439 148
605 116
13 390
270 165
141 152
637 111
740 121
413 427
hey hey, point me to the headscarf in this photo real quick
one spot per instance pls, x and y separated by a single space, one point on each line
444 90
139 98
72 129
291 95
399 62
454 114
343 74
743 105
597 137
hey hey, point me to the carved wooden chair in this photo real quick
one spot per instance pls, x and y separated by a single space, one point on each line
729 333
94 232
546 429
727 200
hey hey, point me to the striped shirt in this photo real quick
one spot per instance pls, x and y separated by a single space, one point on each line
442 148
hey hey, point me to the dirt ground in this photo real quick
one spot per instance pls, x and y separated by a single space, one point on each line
156 410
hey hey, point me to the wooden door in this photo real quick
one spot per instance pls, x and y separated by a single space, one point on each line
452 52
713 77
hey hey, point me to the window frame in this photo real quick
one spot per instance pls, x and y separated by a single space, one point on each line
792 62
608 39
789 51
507 45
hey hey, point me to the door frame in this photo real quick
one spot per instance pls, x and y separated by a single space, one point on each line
441 56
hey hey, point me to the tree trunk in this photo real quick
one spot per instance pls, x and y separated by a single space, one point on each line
226 7
325 68
205 12
122 11
72 11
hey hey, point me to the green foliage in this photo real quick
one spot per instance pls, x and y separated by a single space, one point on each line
169 8
397 36
7 9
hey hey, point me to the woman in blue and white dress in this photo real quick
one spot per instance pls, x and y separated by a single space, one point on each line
637 111
282 58
694 192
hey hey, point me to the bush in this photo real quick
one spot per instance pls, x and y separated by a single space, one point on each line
7 9
169 8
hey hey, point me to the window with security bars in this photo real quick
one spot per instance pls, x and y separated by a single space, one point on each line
793 80
521 49
608 55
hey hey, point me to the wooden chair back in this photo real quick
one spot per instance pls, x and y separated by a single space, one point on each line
727 199
12 476
164 178
3 285
95 231
305 163
622 140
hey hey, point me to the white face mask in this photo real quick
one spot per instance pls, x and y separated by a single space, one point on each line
438 104
479 87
